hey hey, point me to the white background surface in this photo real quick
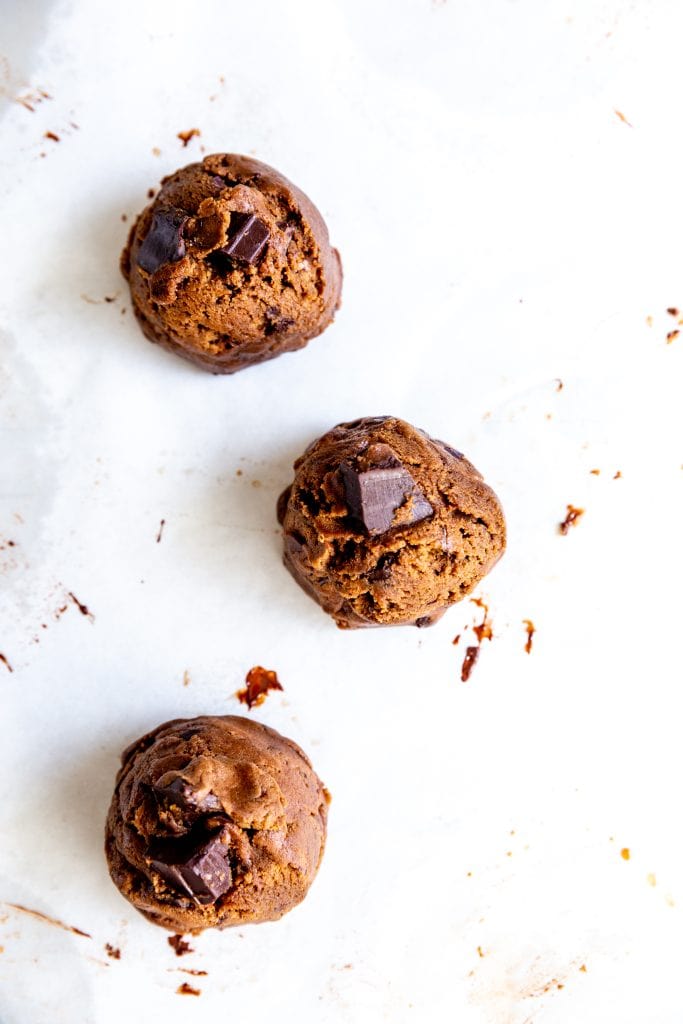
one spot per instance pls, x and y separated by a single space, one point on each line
500 227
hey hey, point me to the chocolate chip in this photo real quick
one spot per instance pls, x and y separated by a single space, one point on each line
164 242
247 237
204 874
376 495
276 324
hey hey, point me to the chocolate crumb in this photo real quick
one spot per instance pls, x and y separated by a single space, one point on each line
530 630
572 517
185 137
179 944
51 135
456 640
187 990
672 311
559 384
259 682
6 663
617 475
112 951
672 335
150 193
595 472
161 530
471 655
193 971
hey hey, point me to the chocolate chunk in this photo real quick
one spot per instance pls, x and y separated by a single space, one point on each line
384 497
164 242
204 874
247 237
180 793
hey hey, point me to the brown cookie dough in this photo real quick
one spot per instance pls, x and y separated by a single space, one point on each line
231 265
385 526
215 821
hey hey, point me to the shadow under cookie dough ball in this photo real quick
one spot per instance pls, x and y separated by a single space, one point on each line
385 526
215 821
231 265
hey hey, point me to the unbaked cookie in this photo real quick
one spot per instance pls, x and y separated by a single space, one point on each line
231 264
383 525
215 821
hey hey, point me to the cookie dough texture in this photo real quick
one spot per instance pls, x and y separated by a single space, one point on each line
251 274
215 821
383 525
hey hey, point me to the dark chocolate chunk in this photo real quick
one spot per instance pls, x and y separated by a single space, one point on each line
180 793
376 495
247 237
204 874
164 242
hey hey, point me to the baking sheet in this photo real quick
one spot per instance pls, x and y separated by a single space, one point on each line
503 182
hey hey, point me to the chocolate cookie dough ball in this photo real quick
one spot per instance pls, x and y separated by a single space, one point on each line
385 526
231 265
215 822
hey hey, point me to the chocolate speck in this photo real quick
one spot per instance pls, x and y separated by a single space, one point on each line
112 951
571 519
52 136
187 990
672 335
161 530
83 608
6 663
185 137
672 311
530 630
471 655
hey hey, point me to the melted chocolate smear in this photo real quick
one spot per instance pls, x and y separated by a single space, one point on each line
247 238
375 494
164 242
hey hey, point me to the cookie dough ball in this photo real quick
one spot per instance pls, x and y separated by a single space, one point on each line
215 822
231 265
385 526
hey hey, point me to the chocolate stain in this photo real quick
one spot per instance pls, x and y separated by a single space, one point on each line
190 970
161 530
259 682
530 630
112 951
6 663
52 136
49 920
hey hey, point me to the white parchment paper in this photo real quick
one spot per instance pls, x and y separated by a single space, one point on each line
503 180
